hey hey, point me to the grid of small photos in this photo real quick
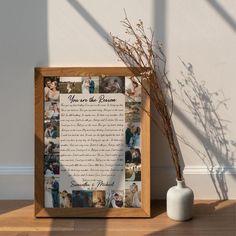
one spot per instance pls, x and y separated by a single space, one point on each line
59 198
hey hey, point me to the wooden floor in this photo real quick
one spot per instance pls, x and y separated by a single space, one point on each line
217 218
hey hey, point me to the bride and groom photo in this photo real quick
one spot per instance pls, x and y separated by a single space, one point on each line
52 198
84 85
51 89
88 85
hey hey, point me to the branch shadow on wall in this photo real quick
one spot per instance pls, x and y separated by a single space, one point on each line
89 19
223 13
204 107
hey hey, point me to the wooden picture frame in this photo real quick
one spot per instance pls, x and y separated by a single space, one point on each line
102 72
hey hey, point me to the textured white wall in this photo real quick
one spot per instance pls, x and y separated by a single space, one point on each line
73 33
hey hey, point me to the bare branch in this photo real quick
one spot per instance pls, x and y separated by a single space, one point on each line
138 53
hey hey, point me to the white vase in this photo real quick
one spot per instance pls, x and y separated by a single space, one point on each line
180 202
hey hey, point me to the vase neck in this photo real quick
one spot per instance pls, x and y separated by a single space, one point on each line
180 183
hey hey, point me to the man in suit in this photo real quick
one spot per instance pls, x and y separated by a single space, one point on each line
91 85
55 192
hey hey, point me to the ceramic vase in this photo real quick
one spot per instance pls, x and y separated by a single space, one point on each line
180 202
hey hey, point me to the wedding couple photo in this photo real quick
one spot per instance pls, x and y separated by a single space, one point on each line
132 134
84 85
51 89
112 84
51 193
115 199
132 172
132 112
133 194
133 155
51 165
133 89
51 146
90 85
51 111
51 129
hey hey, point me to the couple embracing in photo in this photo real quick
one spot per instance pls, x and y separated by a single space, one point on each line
88 86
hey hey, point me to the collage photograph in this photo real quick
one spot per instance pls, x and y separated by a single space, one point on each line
132 134
133 155
90 85
112 84
51 146
51 89
70 84
51 193
51 129
133 194
132 112
51 165
132 172
51 112
82 198
65 199
132 89
115 199
99 199
133 168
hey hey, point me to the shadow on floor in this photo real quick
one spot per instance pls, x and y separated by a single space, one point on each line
12 205
210 218
215 218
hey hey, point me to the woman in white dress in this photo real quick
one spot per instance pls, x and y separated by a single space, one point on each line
133 90
136 198
53 94
135 139
56 111
49 170
85 86
48 193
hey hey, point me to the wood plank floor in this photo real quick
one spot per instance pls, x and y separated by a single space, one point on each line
217 218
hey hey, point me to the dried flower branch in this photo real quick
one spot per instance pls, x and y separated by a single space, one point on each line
148 59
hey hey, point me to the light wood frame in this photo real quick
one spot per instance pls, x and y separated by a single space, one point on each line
40 211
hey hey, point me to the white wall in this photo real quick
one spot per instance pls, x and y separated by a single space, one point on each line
73 33
203 33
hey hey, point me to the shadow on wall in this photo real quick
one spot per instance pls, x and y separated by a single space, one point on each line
223 13
160 149
90 19
23 45
204 106
217 150
162 172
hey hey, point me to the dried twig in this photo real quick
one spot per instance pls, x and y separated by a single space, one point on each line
148 59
